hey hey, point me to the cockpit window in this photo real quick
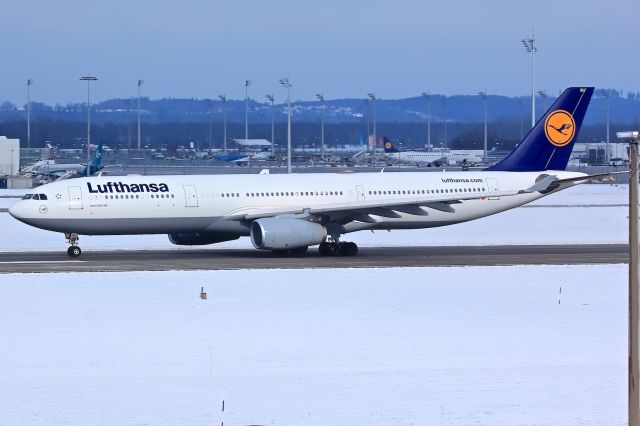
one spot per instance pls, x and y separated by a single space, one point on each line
35 197
43 197
27 196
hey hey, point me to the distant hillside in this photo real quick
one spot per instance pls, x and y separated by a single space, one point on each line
461 108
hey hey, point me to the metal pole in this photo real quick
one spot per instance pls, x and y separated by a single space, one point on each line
270 98
608 116
29 82
88 79
533 84
530 46
322 131
223 98
429 122
140 83
247 83
634 291
288 128
485 126
284 82
321 97
129 123
634 396
210 125
484 97
273 132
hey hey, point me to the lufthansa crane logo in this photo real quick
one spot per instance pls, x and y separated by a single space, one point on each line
388 145
560 127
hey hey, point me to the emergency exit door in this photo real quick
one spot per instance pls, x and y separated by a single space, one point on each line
75 198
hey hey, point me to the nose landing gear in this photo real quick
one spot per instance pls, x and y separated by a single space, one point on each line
73 250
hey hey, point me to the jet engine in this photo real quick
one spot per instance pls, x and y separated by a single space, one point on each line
201 238
285 233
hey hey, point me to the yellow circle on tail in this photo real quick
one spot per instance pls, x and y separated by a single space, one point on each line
559 127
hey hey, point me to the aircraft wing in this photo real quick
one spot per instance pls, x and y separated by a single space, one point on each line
361 211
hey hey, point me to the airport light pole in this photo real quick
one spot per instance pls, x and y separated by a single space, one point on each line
607 94
284 82
544 97
444 102
209 105
483 95
634 291
372 97
271 99
29 83
223 99
427 96
530 46
140 83
247 83
320 96
88 78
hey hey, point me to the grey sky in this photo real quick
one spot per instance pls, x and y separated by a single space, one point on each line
345 49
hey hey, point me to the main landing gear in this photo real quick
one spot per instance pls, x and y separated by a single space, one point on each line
73 250
332 248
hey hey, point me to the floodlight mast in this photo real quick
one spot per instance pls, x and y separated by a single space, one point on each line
320 96
223 98
29 83
372 97
483 95
88 79
427 96
634 292
140 83
247 83
606 93
530 47
284 82
271 99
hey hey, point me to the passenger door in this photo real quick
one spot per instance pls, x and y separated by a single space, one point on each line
75 198
190 195
360 192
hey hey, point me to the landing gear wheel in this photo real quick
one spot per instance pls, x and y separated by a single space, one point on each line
74 251
328 249
348 249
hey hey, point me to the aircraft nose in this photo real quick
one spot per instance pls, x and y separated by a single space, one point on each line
18 210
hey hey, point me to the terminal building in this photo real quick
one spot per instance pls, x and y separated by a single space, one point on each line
595 154
9 156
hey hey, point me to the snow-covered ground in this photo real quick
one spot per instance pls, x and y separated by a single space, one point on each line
421 346
576 221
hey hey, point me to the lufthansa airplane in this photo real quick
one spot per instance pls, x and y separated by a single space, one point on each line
289 213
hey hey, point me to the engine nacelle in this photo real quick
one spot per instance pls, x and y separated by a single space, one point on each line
201 238
285 233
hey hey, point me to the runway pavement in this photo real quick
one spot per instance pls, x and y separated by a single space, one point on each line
383 257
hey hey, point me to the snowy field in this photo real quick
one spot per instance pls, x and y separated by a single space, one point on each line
568 218
422 346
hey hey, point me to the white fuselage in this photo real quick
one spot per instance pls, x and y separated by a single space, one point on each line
170 204
418 157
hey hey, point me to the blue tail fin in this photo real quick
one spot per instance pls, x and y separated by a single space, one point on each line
97 160
388 146
548 145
